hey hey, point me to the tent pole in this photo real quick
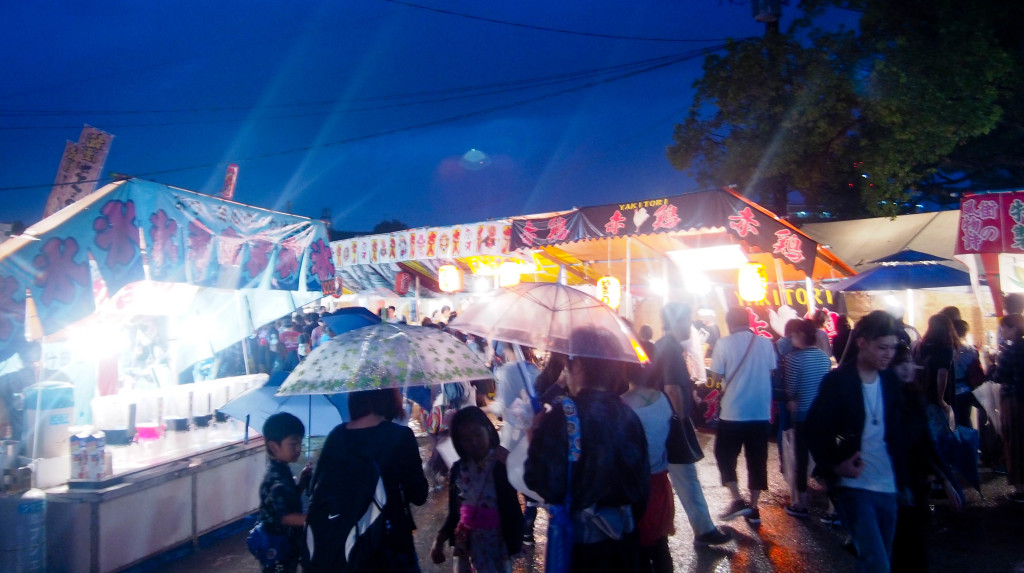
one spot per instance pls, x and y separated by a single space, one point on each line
779 281
629 279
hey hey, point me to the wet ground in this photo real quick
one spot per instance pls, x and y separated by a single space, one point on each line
985 536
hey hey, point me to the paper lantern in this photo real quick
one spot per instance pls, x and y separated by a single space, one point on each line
449 278
608 291
508 274
753 283
402 281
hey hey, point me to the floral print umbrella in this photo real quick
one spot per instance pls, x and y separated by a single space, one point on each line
384 356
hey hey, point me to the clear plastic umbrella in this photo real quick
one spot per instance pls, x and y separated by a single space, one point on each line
543 315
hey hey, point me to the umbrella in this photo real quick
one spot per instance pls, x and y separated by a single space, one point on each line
349 318
385 356
542 315
907 269
320 414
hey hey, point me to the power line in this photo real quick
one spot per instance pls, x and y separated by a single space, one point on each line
485 89
547 29
432 123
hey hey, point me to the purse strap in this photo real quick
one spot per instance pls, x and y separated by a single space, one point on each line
753 337
572 430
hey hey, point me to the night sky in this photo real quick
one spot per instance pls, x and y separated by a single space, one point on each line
371 108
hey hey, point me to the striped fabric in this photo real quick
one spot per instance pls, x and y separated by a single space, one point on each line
804 369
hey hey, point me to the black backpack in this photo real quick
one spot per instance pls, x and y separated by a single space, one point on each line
345 526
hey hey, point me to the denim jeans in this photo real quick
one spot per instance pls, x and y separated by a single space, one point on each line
870 518
691 496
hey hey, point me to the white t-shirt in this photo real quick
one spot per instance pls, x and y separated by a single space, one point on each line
748 395
877 473
655 418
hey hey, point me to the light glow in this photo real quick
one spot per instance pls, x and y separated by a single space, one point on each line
709 258
449 278
752 282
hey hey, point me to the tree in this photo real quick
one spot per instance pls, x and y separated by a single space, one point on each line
915 100
391 226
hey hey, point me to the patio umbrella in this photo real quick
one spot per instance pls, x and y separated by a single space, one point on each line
320 414
907 269
543 315
384 356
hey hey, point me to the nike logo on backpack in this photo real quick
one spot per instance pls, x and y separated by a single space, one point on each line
335 516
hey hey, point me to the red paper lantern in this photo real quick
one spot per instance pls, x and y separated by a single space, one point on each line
402 281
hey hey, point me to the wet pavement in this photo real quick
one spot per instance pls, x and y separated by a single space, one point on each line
985 536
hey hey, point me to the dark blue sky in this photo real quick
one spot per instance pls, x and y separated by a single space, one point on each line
318 102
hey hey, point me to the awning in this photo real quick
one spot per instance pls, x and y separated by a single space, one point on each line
139 230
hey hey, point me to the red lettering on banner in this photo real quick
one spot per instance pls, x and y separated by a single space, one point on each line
744 223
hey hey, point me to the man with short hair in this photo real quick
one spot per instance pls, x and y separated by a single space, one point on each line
674 368
743 362
855 434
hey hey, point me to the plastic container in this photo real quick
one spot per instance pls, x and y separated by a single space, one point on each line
49 409
24 549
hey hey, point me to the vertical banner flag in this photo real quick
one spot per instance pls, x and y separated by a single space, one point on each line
80 169
230 177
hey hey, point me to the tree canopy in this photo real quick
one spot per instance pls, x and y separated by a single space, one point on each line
387 226
924 97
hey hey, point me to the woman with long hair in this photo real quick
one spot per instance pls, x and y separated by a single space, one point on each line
1009 374
935 354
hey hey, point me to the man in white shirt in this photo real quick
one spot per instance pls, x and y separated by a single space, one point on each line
743 362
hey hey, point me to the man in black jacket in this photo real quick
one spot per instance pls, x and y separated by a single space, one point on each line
856 438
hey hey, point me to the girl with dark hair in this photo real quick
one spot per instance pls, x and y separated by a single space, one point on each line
935 354
484 523
1009 374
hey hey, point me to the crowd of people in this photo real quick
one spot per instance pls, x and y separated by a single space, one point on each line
885 418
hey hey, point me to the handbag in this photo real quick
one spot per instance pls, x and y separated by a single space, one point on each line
267 548
558 556
682 445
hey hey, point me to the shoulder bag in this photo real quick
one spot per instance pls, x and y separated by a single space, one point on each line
682 445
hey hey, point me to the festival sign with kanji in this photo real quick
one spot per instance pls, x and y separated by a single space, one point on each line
991 223
714 209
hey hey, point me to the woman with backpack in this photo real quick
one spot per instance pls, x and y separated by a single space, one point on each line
356 457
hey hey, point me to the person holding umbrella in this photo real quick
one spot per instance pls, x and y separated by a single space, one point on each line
393 448
609 483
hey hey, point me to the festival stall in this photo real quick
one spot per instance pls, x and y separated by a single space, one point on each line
125 291
709 245
927 238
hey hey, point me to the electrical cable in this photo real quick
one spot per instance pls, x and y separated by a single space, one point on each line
547 29
445 120
494 87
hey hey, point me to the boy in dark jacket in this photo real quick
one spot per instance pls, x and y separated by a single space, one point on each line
280 497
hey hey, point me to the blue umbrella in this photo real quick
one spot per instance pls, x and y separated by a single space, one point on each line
905 270
320 414
350 318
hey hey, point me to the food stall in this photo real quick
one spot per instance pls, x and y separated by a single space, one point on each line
109 304
634 255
